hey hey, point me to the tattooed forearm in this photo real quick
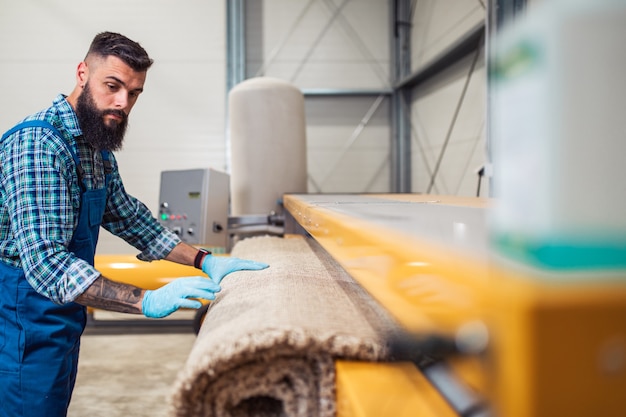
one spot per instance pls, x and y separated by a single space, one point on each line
112 296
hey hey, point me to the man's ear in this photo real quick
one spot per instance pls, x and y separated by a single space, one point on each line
82 74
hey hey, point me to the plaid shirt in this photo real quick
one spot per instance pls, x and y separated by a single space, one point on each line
40 203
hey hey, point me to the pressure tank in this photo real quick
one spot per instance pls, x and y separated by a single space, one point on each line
268 145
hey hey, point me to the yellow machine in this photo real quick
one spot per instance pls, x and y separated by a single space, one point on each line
553 348
149 275
512 344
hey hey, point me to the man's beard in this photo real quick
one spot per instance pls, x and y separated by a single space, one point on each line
95 130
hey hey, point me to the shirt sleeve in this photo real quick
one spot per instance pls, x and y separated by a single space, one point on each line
129 219
41 195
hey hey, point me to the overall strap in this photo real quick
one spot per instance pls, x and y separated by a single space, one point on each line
108 167
31 123
47 125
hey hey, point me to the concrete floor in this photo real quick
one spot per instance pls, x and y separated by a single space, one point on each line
127 369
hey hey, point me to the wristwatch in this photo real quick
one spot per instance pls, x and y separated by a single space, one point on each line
200 257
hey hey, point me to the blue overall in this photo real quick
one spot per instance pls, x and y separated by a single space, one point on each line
40 340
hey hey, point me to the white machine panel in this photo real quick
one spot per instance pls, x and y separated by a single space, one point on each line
194 204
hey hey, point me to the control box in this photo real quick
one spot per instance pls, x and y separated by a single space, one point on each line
194 204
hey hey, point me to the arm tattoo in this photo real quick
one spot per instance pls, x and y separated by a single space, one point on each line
110 295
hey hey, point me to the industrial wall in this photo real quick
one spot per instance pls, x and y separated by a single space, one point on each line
333 49
448 111
338 53
180 120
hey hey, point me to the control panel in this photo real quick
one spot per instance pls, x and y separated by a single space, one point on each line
194 204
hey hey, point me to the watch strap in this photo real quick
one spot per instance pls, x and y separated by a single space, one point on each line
197 262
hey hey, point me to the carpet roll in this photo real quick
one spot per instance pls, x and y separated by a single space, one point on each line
269 341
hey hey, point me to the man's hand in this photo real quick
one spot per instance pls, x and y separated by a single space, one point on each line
218 267
164 301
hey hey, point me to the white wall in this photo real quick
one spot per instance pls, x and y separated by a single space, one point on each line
178 122
434 116
437 24
434 121
332 44
344 154
323 44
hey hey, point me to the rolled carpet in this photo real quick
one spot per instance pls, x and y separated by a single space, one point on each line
268 343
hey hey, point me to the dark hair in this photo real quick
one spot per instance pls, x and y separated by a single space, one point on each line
109 43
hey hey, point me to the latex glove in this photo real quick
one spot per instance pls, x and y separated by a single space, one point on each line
174 295
217 267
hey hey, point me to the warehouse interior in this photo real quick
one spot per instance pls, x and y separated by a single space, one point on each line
447 173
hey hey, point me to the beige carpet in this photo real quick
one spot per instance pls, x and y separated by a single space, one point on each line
268 343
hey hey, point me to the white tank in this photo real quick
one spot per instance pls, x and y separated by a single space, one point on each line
268 145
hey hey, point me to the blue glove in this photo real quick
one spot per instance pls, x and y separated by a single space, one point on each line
174 295
217 267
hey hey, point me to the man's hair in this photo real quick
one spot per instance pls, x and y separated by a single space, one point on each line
108 43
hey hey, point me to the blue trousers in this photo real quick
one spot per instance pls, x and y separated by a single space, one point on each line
39 346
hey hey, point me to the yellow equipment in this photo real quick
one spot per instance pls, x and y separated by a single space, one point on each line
554 348
515 345
149 275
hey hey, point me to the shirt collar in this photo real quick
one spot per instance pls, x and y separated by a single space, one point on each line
67 115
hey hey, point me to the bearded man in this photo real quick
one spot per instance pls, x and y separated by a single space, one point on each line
59 183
